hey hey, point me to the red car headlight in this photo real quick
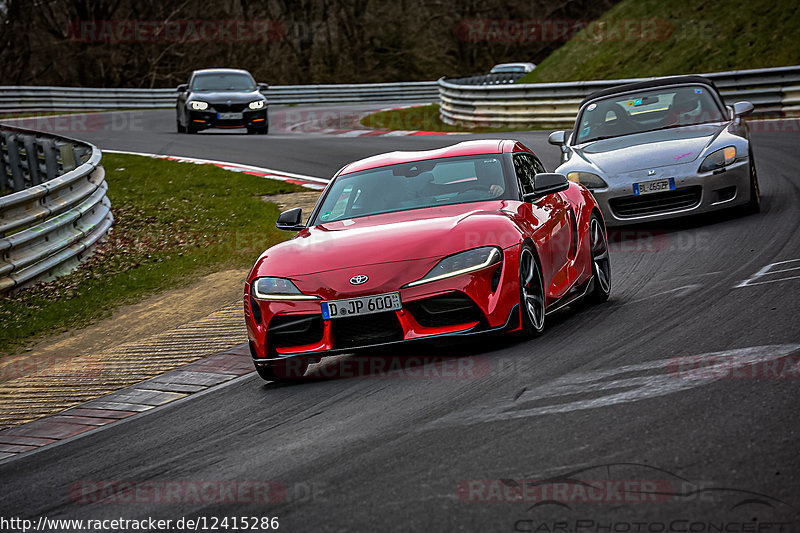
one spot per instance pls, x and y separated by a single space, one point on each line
268 288
461 263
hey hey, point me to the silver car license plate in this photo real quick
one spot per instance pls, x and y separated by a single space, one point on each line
229 116
647 187
364 305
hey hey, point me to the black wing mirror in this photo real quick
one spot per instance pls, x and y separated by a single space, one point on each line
291 220
262 87
182 88
557 138
546 183
742 108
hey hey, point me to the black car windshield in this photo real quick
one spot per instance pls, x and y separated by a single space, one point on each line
416 185
649 110
228 81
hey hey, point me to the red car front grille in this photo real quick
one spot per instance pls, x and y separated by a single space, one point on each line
377 328
445 310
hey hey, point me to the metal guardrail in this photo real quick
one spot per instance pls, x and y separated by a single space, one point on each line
58 210
773 91
496 78
19 99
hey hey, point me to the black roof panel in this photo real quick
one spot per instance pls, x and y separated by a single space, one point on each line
660 82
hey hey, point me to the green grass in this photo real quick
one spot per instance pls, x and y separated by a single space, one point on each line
420 118
683 37
174 222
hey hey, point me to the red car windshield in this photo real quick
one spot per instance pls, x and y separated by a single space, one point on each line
414 185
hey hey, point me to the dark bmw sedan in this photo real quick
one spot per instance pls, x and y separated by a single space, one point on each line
222 98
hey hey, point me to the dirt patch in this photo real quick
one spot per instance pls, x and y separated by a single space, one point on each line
156 314
304 200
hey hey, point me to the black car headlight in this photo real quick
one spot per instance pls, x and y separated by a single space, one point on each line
268 288
588 180
461 263
198 105
258 104
718 159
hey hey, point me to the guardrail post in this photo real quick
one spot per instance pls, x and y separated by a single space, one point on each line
50 158
67 157
12 145
4 184
32 159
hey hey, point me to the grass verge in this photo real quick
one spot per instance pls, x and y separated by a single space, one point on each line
174 222
420 118
642 38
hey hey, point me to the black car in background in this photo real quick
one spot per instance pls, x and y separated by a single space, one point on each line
222 98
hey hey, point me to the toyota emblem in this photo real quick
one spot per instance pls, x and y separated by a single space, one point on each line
359 279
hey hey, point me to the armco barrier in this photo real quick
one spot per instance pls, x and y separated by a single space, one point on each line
21 99
58 210
467 102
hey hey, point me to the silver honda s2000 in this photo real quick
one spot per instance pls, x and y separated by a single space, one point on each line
661 149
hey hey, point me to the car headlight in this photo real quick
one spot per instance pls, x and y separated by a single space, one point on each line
198 105
587 179
258 104
278 289
461 263
718 159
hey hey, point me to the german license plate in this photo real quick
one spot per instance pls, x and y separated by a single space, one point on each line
365 305
229 116
647 187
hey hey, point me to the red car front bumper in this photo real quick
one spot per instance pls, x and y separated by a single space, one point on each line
478 302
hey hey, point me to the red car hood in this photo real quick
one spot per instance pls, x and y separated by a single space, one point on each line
390 237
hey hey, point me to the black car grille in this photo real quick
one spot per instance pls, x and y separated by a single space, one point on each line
229 108
291 330
661 202
377 328
445 310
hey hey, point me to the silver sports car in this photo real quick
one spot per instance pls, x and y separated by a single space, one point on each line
661 149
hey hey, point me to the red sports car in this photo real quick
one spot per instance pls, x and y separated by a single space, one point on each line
472 238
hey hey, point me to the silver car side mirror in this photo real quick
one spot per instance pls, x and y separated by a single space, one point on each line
742 108
557 138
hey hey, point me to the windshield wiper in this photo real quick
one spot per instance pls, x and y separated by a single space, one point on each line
601 138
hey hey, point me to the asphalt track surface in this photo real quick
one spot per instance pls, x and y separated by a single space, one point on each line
597 401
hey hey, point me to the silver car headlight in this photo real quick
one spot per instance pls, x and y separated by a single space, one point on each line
587 179
718 159
461 263
268 288
198 105
258 104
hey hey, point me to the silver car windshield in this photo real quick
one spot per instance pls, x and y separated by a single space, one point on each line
650 110
223 82
414 185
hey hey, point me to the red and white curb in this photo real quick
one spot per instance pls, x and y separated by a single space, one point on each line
309 182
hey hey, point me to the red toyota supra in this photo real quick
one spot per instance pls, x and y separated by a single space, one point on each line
469 239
